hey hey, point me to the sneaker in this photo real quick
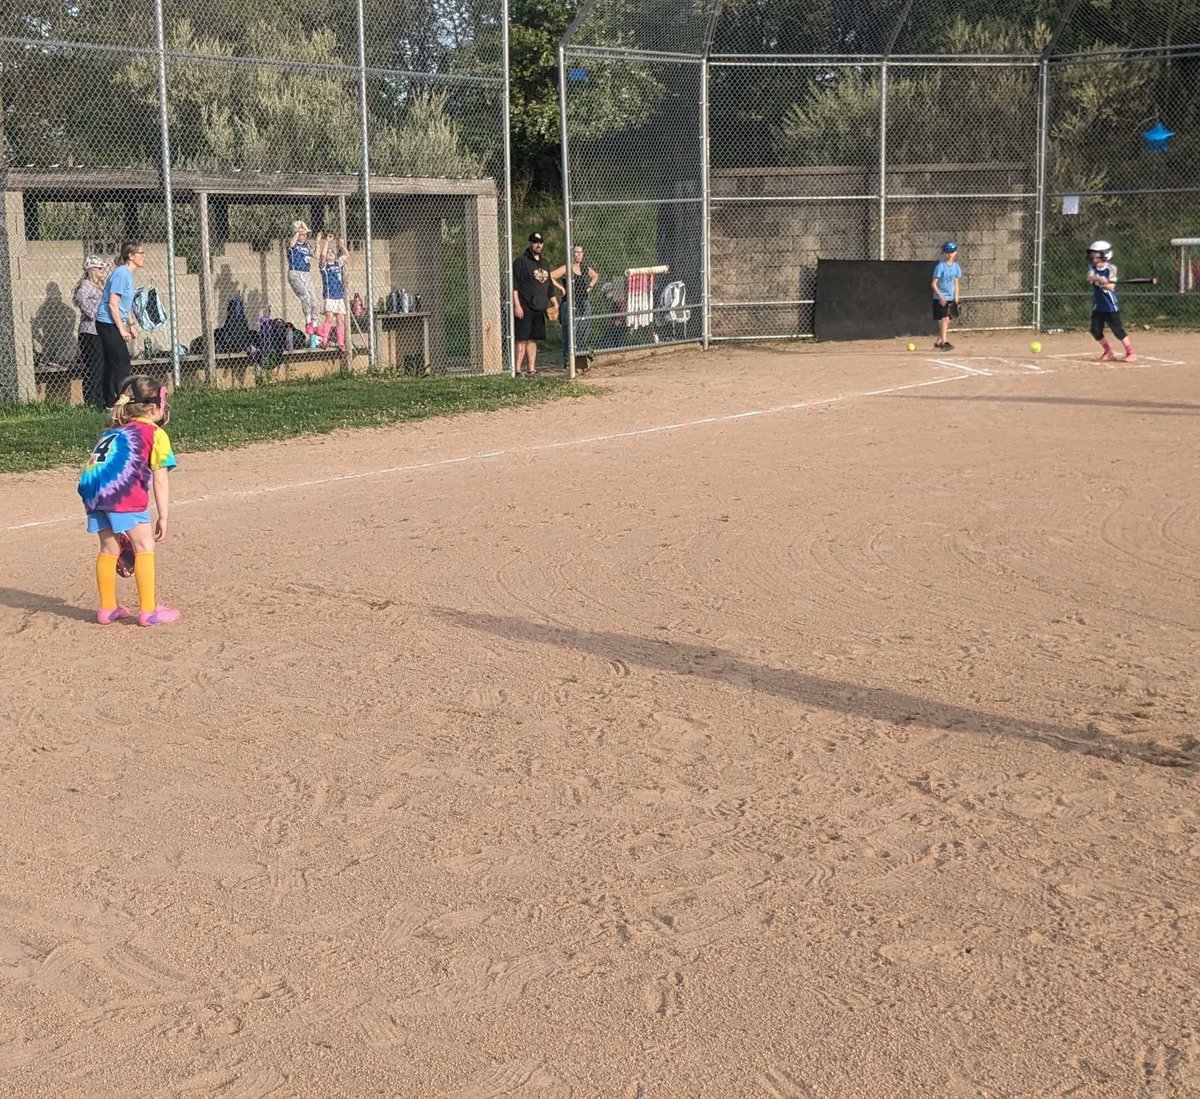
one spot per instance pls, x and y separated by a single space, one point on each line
1106 355
160 616
947 347
937 347
107 618
1130 357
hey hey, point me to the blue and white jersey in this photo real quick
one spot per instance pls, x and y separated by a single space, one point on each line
332 280
1103 301
300 256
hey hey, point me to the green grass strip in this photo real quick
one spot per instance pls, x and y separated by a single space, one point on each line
41 436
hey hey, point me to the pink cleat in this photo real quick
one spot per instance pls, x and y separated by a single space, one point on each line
160 616
1107 354
107 618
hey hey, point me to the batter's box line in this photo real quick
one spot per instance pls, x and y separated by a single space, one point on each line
961 366
1004 360
1142 360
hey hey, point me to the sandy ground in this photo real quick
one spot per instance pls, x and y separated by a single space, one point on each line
651 750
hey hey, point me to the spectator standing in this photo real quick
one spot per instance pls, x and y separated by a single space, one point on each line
88 295
115 323
577 305
331 258
299 261
532 287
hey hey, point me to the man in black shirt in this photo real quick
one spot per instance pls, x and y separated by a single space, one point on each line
531 300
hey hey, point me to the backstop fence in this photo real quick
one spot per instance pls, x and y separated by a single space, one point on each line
713 151
206 133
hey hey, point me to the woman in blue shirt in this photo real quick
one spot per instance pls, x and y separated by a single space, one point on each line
115 324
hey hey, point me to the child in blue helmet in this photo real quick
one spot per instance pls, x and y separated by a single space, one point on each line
945 293
1102 277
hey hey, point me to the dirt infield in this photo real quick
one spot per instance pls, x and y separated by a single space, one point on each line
800 722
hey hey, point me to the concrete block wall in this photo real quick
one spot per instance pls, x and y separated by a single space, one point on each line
764 251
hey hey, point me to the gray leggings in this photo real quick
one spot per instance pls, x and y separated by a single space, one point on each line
302 287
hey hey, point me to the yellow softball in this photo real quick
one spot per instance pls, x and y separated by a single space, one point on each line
912 347
1035 347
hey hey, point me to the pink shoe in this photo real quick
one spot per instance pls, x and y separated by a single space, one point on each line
160 616
1106 354
107 618
1130 357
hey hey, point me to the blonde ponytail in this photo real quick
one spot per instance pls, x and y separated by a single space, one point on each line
138 397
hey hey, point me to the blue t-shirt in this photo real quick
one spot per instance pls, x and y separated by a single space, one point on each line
332 281
946 274
300 256
1104 301
120 282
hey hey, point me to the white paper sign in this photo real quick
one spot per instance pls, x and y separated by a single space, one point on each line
1070 204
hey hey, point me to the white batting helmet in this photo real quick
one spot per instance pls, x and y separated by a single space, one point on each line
1103 247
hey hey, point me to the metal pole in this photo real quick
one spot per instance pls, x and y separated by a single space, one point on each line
883 126
1039 253
168 192
508 233
365 182
705 223
566 182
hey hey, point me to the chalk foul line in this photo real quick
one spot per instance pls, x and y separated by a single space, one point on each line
533 448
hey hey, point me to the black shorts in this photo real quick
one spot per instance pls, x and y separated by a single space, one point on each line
1113 320
941 310
532 326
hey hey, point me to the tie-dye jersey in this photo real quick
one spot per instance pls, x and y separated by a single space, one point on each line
118 474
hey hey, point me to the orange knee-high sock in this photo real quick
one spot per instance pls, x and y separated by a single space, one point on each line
143 573
106 580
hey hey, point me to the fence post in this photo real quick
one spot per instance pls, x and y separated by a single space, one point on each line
365 185
883 126
508 232
569 329
1039 243
705 222
168 190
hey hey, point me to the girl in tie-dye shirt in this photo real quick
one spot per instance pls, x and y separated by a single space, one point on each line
129 462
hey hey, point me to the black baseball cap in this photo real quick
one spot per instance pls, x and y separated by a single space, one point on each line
535 238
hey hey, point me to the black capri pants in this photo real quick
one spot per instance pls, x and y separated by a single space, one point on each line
1113 320
117 363
91 355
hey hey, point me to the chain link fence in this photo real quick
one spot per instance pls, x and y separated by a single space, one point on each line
315 187
721 149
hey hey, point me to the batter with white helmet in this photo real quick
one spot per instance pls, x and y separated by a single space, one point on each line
1102 277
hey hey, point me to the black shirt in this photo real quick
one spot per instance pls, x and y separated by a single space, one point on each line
531 280
581 285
